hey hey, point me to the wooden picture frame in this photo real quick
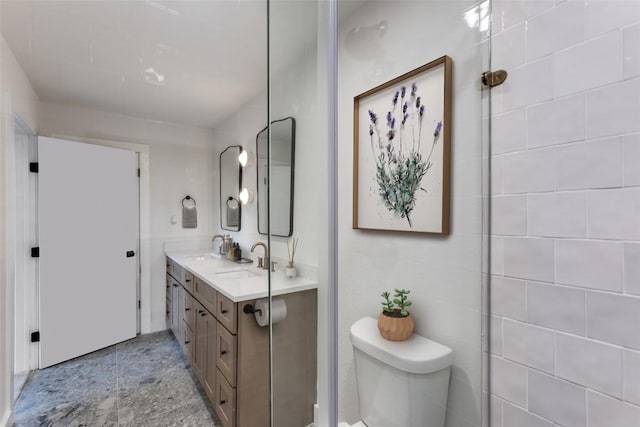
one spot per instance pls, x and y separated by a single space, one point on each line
402 152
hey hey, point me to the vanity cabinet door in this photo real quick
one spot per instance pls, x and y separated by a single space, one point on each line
204 362
179 327
175 309
226 313
200 347
188 342
189 315
168 291
209 377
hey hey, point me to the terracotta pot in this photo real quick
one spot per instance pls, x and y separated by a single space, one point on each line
394 327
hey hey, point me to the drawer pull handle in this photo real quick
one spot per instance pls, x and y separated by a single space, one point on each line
222 402
223 311
187 342
175 285
187 280
200 311
203 314
223 352
187 309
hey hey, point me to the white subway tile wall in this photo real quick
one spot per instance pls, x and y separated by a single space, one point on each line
565 215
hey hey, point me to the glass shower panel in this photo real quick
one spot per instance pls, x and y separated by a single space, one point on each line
297 225
410 208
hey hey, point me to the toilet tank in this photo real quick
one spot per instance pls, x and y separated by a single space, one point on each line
400 384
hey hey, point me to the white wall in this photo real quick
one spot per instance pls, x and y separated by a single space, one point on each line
298 90
181 162
293 94
443 273
16 97
565 289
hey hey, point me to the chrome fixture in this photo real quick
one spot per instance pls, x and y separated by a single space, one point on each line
213 239
264 264
225 247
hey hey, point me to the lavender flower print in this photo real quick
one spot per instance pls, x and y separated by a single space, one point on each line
400 169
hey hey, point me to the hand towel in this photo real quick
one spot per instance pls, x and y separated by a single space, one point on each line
189 217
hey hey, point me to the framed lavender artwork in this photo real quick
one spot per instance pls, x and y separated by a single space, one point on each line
401 152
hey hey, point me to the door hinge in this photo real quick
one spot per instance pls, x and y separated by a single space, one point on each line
33 167
35 252
138 172
139 304
494 78
35 336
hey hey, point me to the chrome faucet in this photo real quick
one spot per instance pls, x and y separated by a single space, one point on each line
226 243
264 264
213 239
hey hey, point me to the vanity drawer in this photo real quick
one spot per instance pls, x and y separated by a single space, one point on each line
188 280
189 316
226 357
225 401
205 294
226 313
177 273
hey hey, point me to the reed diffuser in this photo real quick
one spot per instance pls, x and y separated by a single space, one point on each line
290 270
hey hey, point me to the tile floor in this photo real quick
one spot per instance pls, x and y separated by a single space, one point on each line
145 381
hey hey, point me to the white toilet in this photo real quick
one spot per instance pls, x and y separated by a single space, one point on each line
400 384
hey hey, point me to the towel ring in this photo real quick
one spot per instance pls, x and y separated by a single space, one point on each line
232 203
188 198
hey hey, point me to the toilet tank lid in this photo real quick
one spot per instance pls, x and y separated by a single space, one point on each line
417 355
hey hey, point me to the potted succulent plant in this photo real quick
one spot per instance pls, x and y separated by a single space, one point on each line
395 322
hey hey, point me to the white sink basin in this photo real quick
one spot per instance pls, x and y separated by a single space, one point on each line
238 274
204 257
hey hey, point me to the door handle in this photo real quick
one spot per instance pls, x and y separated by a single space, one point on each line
131 254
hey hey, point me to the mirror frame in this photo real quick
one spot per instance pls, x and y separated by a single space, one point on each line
223 203
292 190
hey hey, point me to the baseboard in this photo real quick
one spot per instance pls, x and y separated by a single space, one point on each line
7 419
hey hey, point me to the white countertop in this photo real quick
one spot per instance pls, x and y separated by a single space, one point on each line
224 276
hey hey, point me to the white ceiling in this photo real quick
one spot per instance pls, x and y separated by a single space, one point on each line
110 54
212 54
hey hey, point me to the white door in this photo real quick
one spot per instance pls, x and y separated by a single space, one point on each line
88 223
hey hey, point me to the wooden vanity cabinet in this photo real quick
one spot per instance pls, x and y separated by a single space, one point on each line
229 352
